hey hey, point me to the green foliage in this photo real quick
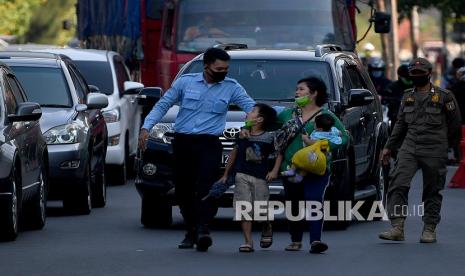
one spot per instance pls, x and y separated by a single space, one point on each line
447 6
46 25
16 15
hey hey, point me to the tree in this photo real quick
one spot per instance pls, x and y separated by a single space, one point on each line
16 15
448 7
46 25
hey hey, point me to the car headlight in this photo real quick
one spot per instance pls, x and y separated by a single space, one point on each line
64 134
111 115
159 130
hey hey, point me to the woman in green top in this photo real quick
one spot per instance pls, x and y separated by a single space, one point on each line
298 123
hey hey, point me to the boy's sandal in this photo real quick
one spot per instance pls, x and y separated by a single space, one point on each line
246 248
294 246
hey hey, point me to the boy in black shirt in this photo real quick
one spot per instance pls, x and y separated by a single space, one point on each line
250 161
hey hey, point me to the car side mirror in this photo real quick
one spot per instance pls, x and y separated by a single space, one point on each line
382 22
132 87
93 88
26 111
96 101
149 95
360 97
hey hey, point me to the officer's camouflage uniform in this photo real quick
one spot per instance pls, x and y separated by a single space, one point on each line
428 124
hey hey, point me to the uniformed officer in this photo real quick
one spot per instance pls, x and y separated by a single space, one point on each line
203 103
428 122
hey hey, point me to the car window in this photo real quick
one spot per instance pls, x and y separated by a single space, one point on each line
97 73
10 100
78 85
44 85
121 74
16 89
273 79
355 77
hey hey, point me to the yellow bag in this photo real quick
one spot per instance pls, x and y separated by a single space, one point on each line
312 158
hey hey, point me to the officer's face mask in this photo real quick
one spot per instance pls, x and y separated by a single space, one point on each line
216 76
420 81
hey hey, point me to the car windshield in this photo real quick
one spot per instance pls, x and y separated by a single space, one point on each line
271 24
96 73
273 80
43 85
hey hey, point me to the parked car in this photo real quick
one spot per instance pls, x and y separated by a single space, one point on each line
23 159
270 76
72 124
106 70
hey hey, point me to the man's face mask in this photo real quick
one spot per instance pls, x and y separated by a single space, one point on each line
216 76
302 101
420 81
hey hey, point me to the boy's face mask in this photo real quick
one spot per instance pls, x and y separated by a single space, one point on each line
302 101
249 123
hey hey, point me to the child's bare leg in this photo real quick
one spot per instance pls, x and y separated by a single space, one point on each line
247 230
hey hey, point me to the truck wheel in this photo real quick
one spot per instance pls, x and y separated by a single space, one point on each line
9 210
99 187
78 198
34 211
156 213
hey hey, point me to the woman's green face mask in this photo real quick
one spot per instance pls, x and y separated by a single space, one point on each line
302 101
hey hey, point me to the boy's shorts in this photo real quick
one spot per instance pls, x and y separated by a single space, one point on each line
249 189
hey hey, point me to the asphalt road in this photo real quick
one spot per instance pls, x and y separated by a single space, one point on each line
111 241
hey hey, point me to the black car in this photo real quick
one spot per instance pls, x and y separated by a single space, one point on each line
270 76
23 159
72 124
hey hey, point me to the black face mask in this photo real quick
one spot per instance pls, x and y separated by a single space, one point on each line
216 76
420 81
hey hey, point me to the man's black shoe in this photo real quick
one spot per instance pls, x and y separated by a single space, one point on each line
189 241
204 242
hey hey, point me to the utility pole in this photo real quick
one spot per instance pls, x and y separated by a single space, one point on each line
394 41
380 6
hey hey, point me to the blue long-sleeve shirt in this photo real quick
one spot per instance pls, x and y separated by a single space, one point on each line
202 106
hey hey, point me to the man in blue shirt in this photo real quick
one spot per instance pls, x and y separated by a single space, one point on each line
204 99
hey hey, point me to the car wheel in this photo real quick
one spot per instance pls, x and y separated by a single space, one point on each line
119 173
156 212
342 190
78 198
379 198
35 210
9 211
99 189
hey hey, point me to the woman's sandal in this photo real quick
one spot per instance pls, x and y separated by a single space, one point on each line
266 239
294 246
246 248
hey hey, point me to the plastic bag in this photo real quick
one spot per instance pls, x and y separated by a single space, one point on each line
312 158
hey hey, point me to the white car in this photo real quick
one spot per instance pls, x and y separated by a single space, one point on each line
107 71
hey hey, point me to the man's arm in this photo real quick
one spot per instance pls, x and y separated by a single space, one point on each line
159 110
242 99
454 120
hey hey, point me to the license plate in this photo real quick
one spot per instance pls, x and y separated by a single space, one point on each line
224 159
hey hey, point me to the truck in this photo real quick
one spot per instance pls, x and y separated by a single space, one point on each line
157 37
